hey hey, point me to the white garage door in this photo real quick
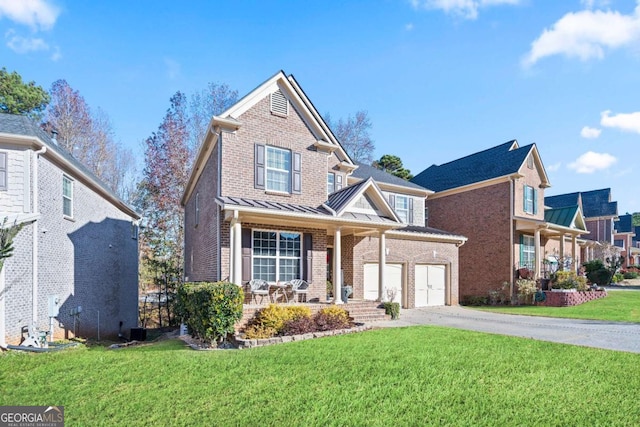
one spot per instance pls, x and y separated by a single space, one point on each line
430 284
392 280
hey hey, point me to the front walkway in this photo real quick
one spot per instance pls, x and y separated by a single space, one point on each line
590 333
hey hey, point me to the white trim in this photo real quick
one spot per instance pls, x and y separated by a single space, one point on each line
277 256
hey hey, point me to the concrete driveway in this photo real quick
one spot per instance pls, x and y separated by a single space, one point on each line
590 333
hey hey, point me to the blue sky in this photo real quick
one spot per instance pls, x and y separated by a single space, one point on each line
440 78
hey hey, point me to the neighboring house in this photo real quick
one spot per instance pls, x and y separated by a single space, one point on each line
623 239
78 246
600 214
635 249
274 196
495 198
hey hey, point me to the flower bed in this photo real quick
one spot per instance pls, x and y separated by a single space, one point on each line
567 299
250 343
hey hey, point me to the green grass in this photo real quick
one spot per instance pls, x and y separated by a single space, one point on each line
619 306
397 376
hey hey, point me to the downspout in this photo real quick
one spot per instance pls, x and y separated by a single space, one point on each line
218 193
512 196
34 255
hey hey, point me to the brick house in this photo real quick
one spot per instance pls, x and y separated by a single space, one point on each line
623 237
274 196
600 215
78 244
495 198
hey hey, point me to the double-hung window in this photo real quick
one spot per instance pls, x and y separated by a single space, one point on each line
277 255
331 182
278 169
67 196
527 252
530 200
402 208
3 170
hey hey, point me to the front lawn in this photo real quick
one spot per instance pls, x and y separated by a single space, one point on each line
619 306
397 376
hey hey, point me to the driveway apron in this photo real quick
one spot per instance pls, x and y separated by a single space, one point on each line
590 333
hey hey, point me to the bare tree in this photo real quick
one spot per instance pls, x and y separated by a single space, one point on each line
205 104
353 134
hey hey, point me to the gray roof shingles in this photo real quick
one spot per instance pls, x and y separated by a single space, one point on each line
484 165
595 203
624 224
365 171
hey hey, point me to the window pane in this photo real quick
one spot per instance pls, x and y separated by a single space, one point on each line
528 252
289 269
331 183
290 245
278 169
66 206
264 243
66 187
402 208
264 268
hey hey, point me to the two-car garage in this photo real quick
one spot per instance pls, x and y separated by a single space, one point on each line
429 283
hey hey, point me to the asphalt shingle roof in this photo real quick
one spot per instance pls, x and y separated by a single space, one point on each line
598 203
562 200
23 125
365 171
624 224
484 165
561 216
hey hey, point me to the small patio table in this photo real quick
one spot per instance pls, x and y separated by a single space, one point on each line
280 290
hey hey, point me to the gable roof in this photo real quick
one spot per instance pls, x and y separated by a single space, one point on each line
598 203
365 171
340 200
13 124
568 216
230 120
624 224
562 200
500 161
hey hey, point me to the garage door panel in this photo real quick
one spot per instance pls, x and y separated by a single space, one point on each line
430 281
393 280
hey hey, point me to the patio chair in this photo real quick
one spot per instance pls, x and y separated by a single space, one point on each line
299 287
259 287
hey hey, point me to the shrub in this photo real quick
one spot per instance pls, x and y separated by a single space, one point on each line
210 310
582 283
392 308
270 321
617 278
565 279
330 318
299 326
473 300
630 274
598 273
526 289
500 296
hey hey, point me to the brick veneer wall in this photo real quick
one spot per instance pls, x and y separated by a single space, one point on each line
90 260
566 299
482 215
260 126
201 240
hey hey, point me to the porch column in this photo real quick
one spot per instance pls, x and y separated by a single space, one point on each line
237 252
561 260
382 261
574 252
538 258
232 242
337 267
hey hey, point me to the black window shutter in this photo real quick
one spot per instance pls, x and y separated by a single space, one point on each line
307 257
338 181
410 218
296 176
259 166
246 255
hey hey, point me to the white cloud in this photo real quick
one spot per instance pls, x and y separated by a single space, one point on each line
554 167
586 35
629 122
590 4
467 9
408 26
590 133
21 44
590 162
37 14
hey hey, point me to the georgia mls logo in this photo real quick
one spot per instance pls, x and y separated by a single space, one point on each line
31 416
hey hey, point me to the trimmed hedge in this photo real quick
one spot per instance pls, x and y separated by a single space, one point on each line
210 310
